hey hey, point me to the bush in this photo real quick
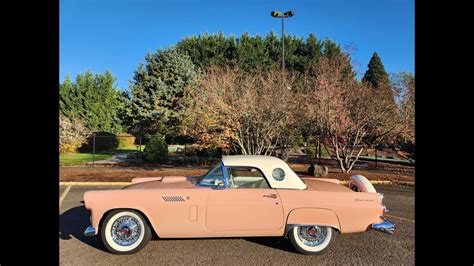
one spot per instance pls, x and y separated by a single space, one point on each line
310 152
202 152
211 152
215 152
191 150
156 149
72 134
125 140
325 151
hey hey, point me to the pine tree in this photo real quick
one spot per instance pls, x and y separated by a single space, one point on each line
375 73
68 99
252 52
93 99
157 91
312 51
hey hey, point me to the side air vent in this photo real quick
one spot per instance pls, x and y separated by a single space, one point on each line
172 198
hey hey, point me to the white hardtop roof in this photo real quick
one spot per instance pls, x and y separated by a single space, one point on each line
250 160
267 164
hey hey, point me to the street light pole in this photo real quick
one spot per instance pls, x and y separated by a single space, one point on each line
278 14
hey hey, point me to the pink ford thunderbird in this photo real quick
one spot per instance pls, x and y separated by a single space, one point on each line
243 196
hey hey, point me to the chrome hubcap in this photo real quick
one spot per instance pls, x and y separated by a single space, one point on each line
126 230
312 235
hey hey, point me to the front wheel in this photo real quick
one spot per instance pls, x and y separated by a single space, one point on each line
125 232
312 239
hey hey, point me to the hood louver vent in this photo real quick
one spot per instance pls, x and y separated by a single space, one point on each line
172 198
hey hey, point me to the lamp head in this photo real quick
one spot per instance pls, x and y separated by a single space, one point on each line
276 14
289 14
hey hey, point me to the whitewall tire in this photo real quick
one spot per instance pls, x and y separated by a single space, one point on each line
312 239
360 183
125 232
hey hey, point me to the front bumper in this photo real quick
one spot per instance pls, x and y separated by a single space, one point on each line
90 231
385 227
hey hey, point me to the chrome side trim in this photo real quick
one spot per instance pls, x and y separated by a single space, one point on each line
90 231
385 227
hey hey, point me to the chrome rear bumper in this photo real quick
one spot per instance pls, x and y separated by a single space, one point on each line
385 227
90 231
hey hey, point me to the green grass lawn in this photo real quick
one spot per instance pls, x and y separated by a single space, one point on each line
131 148
383 159
78 158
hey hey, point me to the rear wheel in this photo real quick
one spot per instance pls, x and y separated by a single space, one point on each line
125 232
312 239
360 183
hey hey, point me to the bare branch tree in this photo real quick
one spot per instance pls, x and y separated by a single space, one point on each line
349 115
248 112
72 134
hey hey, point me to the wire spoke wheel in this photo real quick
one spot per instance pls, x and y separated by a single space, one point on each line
312 239
312 235
126 230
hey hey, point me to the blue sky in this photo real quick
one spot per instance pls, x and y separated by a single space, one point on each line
117 34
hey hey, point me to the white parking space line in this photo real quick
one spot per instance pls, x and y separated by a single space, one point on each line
63 196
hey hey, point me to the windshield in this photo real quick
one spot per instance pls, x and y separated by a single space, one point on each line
208 180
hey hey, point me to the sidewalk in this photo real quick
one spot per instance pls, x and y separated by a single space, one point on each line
119 157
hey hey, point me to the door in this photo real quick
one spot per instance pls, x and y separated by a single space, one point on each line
249 204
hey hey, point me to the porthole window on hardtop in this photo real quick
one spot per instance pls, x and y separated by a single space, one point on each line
278 174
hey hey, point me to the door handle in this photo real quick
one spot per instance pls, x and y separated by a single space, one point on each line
273 196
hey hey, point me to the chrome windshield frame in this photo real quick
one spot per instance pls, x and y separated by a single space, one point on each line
225 175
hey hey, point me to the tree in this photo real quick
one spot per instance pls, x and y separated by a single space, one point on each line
375 73
312 51
156 150
245 112
405 85
251 53
92 98
156 93
206 50
72 134
124 111
344 112
69 103
256 52
377 78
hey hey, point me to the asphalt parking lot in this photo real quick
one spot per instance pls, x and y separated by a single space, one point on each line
360 248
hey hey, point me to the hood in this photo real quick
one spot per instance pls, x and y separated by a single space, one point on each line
164 182
325 185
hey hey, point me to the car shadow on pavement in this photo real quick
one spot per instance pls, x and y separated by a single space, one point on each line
273 242
73 222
